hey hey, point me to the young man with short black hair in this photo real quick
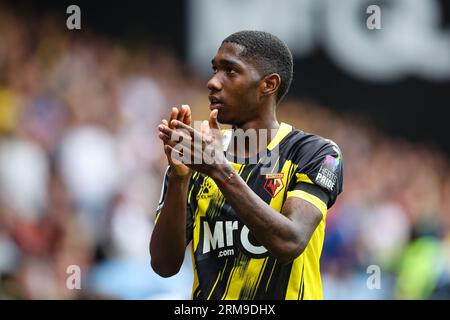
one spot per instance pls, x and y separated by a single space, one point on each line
255 216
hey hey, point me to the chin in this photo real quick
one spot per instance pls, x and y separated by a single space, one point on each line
224 120
227 119
221 118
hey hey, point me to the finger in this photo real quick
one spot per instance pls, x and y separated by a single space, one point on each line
180 125
165 138
181 113
194 134
213 123
162 136
173 115
187 116
175 136
166 130
204 127
164 122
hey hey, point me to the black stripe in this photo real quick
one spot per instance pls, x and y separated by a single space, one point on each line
314 190
278 283
302 285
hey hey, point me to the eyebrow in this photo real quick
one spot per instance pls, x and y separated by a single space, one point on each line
226 62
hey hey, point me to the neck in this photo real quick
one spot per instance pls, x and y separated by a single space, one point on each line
263 128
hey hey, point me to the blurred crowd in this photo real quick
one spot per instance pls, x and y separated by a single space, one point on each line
81 169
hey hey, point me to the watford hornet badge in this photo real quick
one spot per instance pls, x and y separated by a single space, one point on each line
274 183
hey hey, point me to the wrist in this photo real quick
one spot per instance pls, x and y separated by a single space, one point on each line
223 173
173 176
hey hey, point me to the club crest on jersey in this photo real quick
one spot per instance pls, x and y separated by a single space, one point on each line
274 183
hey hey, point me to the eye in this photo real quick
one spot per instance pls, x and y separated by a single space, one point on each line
214 70
230 70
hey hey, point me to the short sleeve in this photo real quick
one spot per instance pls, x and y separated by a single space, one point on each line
162 199
319 175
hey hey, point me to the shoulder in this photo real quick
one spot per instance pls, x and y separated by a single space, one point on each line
300 145
318 163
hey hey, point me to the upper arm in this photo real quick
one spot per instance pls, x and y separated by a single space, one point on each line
306 211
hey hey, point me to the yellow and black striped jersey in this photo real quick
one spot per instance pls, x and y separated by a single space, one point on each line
228 261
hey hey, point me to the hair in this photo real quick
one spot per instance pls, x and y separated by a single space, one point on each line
270 54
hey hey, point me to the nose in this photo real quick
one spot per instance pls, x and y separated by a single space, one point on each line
214 84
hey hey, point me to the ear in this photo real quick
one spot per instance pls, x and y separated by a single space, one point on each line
270 84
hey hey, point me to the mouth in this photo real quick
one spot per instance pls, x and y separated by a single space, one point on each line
215 103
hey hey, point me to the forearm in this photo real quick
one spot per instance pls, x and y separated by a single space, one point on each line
168 241
272 229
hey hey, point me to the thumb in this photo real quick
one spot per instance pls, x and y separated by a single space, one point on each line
204 127
213 123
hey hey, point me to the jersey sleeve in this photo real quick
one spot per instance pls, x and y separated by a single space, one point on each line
162 199
319 175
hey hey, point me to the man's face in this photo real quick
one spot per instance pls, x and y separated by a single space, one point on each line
233 86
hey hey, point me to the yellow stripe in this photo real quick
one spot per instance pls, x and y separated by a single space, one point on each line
196 233
312 280
302 177
319 204
212 290
226 262
273 268
190 193
250 274
229 279
282 132
294 279
237 167
157 216
259 277
310 257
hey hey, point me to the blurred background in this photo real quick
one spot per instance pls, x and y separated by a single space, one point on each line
81 166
